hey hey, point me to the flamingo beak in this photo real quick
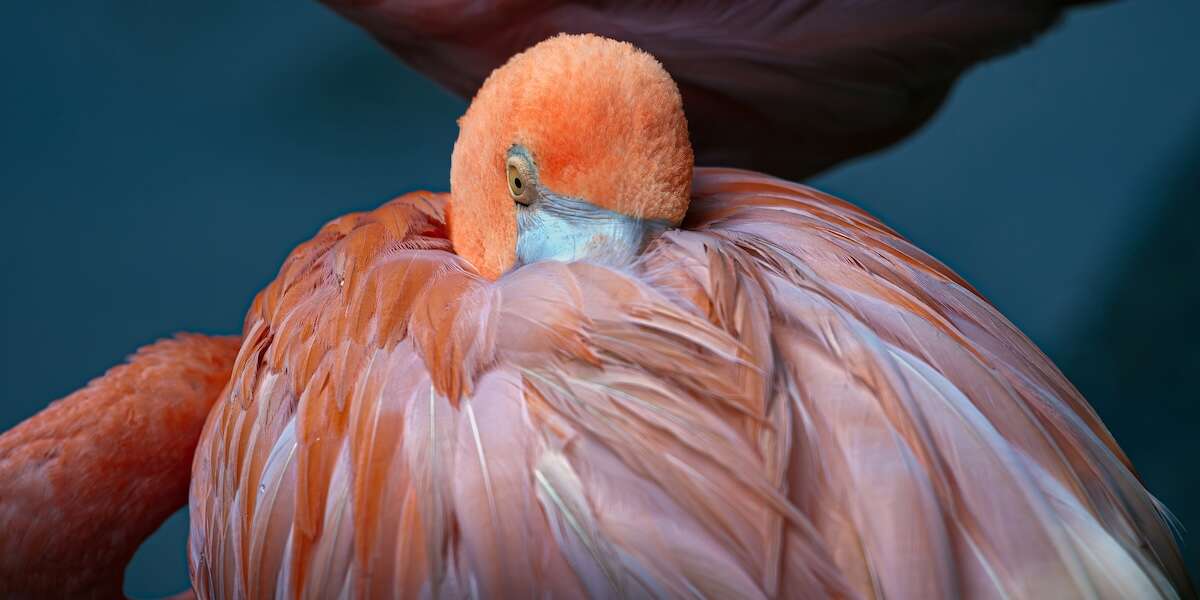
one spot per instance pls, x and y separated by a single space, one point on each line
562 228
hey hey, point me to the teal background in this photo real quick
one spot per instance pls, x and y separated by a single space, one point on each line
159 159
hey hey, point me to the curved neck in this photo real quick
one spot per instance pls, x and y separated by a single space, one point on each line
86 480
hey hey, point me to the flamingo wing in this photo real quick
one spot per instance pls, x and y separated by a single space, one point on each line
784 398
827 79
939 452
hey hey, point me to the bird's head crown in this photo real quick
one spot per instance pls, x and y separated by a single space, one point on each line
581 117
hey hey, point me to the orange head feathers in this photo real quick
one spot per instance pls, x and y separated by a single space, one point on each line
579 117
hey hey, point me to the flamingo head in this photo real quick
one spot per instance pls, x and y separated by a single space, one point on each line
576 148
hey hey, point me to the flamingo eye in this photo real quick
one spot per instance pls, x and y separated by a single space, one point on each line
515 186
518 182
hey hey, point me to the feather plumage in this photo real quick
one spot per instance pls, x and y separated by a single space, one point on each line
782 399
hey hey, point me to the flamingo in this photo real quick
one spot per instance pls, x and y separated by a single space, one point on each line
593 369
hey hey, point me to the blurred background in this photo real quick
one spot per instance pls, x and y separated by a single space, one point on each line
159 159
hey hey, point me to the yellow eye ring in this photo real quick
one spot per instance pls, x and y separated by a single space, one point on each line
521 173
516 182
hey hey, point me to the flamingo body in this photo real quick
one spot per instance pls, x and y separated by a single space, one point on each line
827 80
782 399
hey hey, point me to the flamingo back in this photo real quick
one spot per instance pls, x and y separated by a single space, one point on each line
783 398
